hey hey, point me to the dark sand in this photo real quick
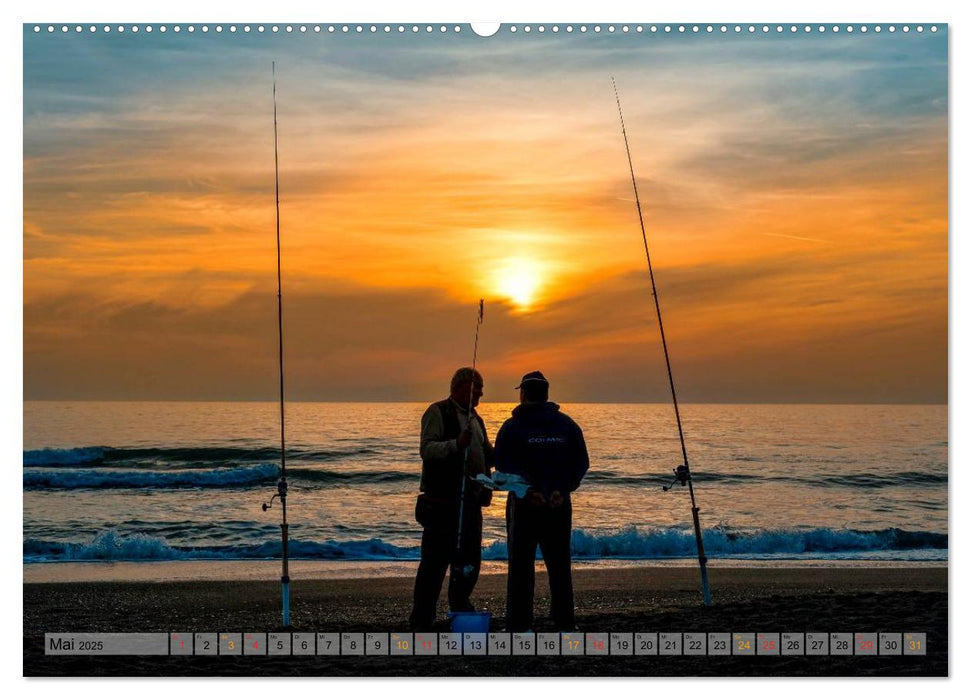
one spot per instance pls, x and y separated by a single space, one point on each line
646 599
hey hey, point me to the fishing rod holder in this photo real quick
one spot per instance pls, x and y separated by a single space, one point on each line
281 493
681 476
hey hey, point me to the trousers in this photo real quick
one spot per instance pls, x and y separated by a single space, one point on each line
440 554
526 527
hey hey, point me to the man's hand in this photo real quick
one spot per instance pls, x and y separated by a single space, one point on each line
556 499
536 498
464 439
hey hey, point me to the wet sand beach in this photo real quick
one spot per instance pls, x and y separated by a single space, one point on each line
636 599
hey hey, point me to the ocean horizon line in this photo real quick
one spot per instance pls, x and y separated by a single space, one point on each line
559 401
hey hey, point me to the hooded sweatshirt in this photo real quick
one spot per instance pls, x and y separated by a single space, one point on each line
544 446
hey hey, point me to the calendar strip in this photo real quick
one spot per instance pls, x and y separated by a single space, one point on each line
370 644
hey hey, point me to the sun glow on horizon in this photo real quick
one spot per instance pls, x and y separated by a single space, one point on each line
519 280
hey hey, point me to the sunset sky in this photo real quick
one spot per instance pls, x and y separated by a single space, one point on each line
794 190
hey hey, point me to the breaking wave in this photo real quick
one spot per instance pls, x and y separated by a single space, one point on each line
122 479
160 456
857 479
224 477
629 543
726 542
54 457
109 546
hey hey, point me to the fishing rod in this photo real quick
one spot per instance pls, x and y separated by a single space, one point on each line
468 448
682 474
281 485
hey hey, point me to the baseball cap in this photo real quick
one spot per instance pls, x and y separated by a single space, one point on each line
536 376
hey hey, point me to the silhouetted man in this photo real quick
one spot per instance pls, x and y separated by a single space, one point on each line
546 448
447 434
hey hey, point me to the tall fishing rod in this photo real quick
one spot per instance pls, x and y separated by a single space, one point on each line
468 448
682 473
281 486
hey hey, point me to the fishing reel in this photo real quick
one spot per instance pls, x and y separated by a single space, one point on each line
681 476
281 493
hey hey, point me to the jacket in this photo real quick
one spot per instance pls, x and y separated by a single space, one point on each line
443 459
544 446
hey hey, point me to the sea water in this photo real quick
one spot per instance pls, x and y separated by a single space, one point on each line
171 481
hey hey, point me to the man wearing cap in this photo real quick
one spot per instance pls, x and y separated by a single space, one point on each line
453 438
546 448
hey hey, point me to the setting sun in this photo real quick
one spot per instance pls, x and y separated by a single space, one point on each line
519 280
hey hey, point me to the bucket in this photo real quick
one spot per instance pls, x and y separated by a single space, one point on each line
470 621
